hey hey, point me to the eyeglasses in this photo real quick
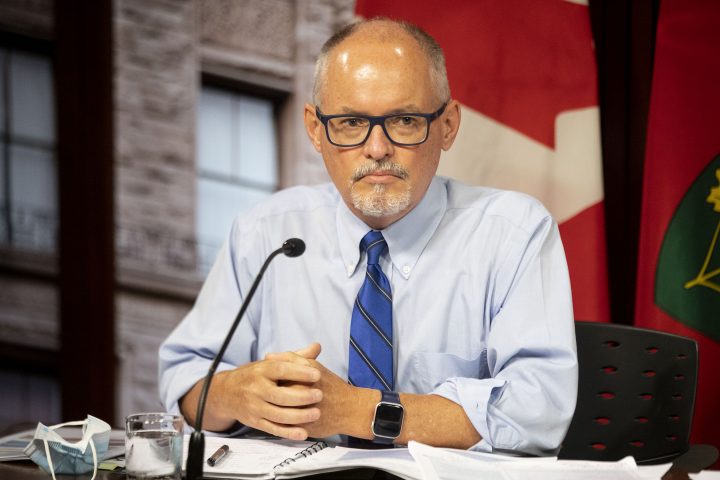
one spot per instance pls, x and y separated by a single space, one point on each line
405 129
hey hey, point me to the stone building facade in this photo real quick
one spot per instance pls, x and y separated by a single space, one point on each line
163 51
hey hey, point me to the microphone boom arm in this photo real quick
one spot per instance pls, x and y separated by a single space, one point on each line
293 247
228 338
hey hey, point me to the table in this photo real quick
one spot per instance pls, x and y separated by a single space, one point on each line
26 470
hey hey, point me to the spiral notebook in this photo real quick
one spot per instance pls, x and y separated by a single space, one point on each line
259 459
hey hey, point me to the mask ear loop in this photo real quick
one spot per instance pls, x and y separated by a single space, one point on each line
92 447
95 461
67 424
49 459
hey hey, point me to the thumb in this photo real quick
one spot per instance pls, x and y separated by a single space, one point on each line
311 351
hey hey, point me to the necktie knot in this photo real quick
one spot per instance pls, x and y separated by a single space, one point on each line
374 244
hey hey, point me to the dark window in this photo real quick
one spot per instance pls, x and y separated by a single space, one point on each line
28 170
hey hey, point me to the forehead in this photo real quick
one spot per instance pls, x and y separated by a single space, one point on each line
373 72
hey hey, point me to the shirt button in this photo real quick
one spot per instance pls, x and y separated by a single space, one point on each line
406 269
349 269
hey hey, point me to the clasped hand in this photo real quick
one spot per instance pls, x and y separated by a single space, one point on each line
287 394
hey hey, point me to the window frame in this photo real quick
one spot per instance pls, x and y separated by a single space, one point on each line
9 43
277 99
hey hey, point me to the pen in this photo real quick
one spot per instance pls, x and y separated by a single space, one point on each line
218 455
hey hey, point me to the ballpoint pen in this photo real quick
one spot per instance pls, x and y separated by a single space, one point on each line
218 455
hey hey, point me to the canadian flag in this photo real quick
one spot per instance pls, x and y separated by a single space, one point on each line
524 71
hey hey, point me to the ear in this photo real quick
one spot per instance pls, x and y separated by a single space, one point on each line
450 124
313 127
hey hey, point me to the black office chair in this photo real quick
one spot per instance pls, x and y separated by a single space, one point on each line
635 397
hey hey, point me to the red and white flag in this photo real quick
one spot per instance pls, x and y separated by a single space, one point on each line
678 288
524 71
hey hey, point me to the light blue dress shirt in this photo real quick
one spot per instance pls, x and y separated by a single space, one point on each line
482 310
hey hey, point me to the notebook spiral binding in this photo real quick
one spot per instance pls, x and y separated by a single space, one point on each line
306 452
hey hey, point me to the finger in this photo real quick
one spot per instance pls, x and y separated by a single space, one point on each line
294 395
291 371
289 384
285 431
289 415
257 413
311 351
287 357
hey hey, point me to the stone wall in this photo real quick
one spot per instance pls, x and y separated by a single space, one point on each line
29 314
156 85
33 18
155 95
143 322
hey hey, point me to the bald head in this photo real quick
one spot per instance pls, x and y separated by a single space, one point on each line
389 33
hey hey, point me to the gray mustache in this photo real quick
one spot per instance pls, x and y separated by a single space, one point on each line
374 167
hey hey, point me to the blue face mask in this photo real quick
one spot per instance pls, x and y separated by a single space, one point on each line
56 455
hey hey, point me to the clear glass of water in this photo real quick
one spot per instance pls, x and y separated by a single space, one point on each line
153 446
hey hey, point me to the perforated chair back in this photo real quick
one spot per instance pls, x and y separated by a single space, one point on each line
635 396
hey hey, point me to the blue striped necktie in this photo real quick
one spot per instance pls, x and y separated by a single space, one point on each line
371 351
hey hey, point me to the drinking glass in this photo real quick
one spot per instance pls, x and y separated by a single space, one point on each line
153 446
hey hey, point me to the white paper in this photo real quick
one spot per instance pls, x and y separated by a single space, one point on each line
448 464
397 461
260 459
706 475
247 458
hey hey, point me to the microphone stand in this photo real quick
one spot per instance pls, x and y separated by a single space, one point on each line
293 247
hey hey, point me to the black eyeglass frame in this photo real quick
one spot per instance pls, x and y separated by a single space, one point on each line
380 120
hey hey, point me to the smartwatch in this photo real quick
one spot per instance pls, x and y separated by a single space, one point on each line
388 420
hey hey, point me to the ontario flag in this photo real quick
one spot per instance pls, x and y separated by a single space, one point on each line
679 257
524 72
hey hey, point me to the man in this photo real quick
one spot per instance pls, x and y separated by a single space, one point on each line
464 299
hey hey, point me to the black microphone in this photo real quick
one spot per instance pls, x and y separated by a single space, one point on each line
293 247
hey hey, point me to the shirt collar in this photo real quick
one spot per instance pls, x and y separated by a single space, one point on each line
406 238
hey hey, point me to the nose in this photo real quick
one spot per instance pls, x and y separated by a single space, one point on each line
378 145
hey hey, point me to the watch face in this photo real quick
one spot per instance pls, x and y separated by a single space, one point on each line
388 420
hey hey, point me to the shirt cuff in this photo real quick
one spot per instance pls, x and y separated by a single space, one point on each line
474 396
184 379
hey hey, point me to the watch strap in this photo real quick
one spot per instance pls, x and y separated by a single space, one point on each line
390 397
